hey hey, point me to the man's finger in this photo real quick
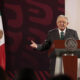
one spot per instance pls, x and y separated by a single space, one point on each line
32 41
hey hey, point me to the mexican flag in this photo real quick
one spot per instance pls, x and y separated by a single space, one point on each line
2 46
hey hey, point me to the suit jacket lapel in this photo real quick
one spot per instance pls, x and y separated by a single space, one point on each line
66 34
57 35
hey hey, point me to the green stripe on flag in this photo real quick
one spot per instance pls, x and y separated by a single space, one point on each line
0 13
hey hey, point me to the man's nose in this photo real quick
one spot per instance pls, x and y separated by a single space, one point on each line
62 23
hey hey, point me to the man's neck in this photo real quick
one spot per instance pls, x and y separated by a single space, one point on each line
62 29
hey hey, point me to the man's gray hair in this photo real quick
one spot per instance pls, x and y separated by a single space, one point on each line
62 16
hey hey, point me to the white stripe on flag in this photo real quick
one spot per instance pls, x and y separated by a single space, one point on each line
2 41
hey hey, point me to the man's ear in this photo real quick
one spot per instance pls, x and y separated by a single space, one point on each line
67 23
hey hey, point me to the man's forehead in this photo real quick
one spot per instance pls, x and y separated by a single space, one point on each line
62 18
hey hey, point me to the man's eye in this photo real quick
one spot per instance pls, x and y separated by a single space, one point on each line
62 22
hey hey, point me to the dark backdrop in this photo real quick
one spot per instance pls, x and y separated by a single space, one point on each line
26 20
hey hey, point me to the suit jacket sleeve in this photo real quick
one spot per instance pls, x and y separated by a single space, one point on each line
45 45
76 36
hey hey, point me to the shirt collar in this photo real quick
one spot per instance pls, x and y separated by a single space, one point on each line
61 31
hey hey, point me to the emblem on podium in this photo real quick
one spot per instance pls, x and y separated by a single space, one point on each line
71 44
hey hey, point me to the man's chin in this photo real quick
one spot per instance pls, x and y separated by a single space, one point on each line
62 29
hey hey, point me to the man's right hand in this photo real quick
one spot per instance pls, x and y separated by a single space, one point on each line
33 44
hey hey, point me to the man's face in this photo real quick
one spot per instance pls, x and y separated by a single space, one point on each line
62 23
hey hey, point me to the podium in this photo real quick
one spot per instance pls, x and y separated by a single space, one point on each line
69 61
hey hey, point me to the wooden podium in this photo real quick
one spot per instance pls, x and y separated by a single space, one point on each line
69 61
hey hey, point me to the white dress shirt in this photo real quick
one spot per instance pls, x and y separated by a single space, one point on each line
61 31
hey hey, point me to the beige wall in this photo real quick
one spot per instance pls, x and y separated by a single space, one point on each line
72 11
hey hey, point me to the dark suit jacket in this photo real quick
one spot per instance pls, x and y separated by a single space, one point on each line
54 35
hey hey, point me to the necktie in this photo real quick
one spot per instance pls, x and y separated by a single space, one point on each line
62 35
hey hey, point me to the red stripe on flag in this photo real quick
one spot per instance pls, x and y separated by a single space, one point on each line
2 56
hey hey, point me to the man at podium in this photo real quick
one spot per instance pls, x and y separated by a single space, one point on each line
59 33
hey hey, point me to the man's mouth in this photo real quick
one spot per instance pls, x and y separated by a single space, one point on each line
62 26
